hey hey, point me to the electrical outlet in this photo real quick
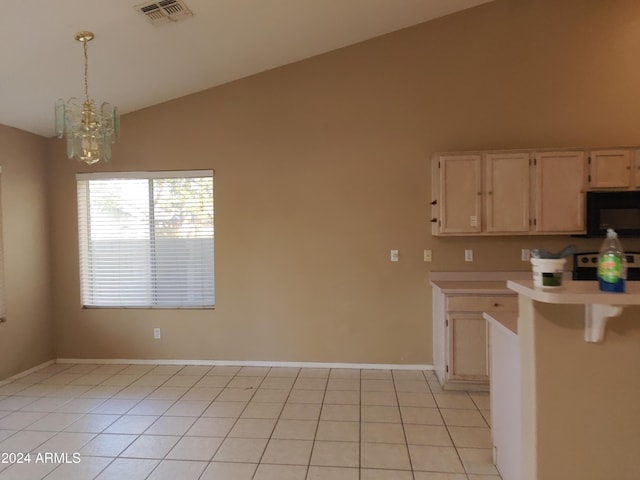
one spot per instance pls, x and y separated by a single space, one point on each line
468 255
525 254
156 333
394 255
427 255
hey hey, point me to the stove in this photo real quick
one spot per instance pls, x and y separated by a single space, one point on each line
585 266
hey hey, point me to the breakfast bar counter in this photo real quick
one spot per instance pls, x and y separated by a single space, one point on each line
579 394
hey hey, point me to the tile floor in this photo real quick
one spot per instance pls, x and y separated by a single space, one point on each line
240 423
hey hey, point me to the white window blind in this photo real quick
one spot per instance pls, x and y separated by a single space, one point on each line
146 239
2 303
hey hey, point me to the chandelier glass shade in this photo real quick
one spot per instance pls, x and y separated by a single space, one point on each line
89 130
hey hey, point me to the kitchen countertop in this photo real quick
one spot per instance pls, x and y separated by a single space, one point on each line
476 283
577 292
476 287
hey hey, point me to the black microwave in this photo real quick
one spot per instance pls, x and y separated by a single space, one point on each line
617 210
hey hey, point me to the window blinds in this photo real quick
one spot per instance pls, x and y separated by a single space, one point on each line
146 239
2 302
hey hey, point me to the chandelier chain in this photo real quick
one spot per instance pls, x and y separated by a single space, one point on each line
86 71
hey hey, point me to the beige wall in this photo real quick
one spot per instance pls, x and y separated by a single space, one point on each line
26 339
322 167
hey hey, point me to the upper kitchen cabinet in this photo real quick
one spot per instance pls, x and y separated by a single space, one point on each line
480 193
457 188
508 193
559 192
613 169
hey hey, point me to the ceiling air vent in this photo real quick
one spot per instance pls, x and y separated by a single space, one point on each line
164 11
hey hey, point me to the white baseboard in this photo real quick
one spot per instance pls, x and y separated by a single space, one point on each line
27 372
213 363
248 363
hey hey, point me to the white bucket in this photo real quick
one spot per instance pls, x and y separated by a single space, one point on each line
547 272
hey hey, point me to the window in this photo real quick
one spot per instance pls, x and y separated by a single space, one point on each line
146 239
2 305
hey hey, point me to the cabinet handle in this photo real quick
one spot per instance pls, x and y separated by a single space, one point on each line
497 305
434 220
434 202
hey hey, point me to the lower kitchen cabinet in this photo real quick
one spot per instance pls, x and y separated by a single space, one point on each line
460 333
468 352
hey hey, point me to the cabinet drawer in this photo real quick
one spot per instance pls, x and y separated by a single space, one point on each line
482 303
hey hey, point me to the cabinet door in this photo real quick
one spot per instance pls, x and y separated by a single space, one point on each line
468 353
459 184
507 192
559 192
610 169
635 167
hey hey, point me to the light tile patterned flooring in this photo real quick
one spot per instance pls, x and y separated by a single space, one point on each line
182 422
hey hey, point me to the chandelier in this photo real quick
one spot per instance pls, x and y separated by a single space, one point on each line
90 131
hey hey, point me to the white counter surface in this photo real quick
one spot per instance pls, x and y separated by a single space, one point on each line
475 287
577 292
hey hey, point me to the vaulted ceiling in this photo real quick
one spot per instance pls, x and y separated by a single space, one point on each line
135 64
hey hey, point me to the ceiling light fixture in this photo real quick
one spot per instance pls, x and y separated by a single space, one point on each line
89 131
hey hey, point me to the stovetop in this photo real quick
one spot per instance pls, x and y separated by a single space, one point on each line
585 266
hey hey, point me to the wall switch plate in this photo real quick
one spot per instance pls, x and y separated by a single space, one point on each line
525 255
468 255
394 255
156 333
427 255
